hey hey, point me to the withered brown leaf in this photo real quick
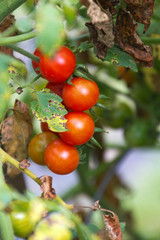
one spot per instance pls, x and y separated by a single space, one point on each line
7 22
15 134
24 164
113 226
100 27
46 187
141 11
109 4
129 41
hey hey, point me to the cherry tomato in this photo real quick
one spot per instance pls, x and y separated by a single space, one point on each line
61 158
81 128
82 96
58 68
56 87
38 144
35 65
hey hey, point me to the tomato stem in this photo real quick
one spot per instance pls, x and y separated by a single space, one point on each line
19 38
11 160
30 83
23 52
151 40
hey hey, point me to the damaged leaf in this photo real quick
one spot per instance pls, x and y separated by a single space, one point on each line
113 226
8 22
48 108
46 187
15 134
129 41
24 164
100 27
141 11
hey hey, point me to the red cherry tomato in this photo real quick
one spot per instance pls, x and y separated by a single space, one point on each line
82 96
35 65
81 128
38 144
61 158
56 87
59 68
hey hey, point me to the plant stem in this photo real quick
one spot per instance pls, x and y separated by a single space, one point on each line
18 38
5 156
8 6
23 52
30 83
151 40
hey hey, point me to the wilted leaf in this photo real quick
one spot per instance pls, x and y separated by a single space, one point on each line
100 28
15 134
24 164
46 187
109 4
113 226
48 108
49 23
129 41
141 11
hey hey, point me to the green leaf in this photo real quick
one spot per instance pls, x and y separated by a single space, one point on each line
95 142
102 96
99 130
123 226
121 58
70 14
49 23
24 25
101 106
84 46
48 108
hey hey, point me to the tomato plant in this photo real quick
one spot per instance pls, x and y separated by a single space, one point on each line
81 128
58 68
38 144
82 96
61 158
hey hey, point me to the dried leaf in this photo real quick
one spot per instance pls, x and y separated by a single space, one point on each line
129 41
46 187
24 164
15 134
109 4
113 226
100 27
141 11
8 21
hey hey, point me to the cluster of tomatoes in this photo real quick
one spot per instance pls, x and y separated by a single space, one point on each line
58 151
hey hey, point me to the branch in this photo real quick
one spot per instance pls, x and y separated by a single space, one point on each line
18 38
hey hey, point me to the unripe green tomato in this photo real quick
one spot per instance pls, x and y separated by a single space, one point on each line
21 222
141 133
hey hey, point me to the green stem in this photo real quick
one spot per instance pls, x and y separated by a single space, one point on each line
8 6
11 160
23 52
151 40
9 31
6 230
18 38
30 83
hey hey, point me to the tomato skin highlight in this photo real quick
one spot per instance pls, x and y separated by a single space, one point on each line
35 65
56 87
61 158
82 96
81 128
58 68
38 144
